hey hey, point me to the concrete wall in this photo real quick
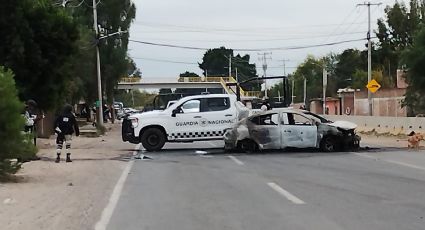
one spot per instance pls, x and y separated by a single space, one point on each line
333 107
386 102
316 106
395 126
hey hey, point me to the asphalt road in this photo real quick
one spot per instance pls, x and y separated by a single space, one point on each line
182 189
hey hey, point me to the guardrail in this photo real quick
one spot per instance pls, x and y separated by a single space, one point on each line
130 79
382 125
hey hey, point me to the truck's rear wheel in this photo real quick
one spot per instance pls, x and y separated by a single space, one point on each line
153 139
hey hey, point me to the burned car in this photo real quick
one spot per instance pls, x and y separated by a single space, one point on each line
290 128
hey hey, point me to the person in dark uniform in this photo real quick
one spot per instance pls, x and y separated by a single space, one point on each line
265 105
65 126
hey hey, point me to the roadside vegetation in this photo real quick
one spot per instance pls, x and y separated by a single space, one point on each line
50 48
14 144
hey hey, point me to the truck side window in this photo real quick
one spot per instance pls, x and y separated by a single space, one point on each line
217 104
191 106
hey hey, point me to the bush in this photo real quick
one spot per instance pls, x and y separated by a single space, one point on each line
13 143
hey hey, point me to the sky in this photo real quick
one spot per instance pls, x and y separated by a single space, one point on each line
244 24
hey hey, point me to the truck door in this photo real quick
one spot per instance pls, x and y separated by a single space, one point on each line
298 131
186 123
217 115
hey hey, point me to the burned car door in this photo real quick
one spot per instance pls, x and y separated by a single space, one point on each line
265 130
298 131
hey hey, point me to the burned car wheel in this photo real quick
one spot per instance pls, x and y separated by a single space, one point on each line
248 146
329 144
153 139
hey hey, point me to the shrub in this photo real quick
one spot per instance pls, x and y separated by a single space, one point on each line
13 143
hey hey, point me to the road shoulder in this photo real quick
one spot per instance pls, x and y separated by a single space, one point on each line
65 195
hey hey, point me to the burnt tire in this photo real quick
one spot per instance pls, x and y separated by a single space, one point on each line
329 144
248 146
153 139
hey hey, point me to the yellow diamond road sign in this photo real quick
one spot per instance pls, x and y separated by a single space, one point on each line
373 86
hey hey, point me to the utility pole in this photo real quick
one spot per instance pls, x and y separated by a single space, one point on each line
283 81
264 59
325 83
305 92
369 54
230 65
99 79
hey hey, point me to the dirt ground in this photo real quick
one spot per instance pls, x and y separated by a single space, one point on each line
65 195
384 141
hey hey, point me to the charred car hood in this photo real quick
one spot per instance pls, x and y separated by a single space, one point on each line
346 125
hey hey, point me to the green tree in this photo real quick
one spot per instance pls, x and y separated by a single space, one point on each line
311 70
349 62
215 62
37 39
395 33
188 74
245 71
12 143
80 70
359 79
413 59
113 16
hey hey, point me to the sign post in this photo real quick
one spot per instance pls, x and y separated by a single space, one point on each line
372 86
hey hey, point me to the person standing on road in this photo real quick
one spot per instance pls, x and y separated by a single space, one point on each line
265 105
65 125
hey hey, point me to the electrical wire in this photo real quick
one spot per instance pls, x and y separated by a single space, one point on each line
252 49
166 61
257 40
260 35
203 29
346 28
373 13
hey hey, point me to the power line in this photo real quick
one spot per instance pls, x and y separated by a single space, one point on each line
166 61
259 40
373 12
250 49
196 28
351 24
341 24
233 32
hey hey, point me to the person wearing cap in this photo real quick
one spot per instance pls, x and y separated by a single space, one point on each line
65 126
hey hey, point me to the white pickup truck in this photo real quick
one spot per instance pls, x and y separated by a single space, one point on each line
193 118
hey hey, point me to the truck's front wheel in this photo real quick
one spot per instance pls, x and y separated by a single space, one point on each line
153 139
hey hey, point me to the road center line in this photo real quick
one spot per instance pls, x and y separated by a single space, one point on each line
365 155
285 193
392 162
406 164
116 193
236 160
